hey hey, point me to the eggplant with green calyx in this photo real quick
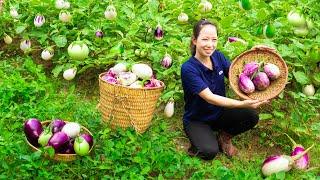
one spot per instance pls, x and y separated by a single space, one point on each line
81 146
261 81
56 125
58 140
245 84
32 129
45 136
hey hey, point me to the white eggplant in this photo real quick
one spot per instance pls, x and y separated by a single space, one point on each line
126 78
120 67
69 74
14 13
143 71
169 109
137 84
110 13
65 16
7 39
183 17
309 90
47 54
72 129
205 6
25 45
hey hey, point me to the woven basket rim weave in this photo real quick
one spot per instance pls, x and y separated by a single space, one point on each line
275 88
124 107
58 156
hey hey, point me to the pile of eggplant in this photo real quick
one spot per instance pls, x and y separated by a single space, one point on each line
64 137
257 76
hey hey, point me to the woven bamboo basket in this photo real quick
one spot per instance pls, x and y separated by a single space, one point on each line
259 55
61 157
125 107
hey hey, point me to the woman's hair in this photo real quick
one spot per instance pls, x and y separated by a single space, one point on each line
196 31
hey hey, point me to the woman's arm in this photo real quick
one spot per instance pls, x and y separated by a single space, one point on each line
218 100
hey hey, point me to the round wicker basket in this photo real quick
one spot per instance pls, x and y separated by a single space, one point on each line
259 55
124 107
61 157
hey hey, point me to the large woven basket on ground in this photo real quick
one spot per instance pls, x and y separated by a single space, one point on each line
259 55
61 157
128 107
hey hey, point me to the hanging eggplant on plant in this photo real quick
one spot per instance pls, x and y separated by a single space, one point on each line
158 32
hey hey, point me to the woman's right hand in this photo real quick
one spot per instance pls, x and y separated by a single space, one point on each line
253 103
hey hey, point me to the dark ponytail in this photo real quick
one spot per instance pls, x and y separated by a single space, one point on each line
196 31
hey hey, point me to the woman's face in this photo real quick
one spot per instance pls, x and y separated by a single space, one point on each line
206 42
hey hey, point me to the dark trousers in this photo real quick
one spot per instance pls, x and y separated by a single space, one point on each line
203 135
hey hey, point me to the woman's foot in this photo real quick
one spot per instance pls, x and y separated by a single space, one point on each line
226 145
192 151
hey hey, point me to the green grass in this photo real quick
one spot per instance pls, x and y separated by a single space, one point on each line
159 153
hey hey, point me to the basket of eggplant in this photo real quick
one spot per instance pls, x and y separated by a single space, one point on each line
69 140
258 74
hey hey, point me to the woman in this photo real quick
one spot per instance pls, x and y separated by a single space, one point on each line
207 110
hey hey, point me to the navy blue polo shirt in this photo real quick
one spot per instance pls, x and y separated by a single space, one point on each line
197 77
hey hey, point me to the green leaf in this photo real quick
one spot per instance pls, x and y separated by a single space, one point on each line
145 170
301 77
265 116
56 71
284 50
20 28
316 78
60 40
278 114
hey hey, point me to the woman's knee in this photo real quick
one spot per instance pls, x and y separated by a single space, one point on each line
254 117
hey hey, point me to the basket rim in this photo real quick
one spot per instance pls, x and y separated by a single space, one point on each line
119 85
243 95
59 154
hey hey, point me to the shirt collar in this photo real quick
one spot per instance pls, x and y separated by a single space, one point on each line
203 67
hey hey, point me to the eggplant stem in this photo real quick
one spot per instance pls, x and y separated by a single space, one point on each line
298 156
293 142
312 168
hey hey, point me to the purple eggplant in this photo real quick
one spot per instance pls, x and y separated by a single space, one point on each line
250 69
236 39
33 129
158 32
152 83
99 34
58 140
67 148
110 79
166 62
272 71
57 125
88 138
111 72
245 84
303 162
261 81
